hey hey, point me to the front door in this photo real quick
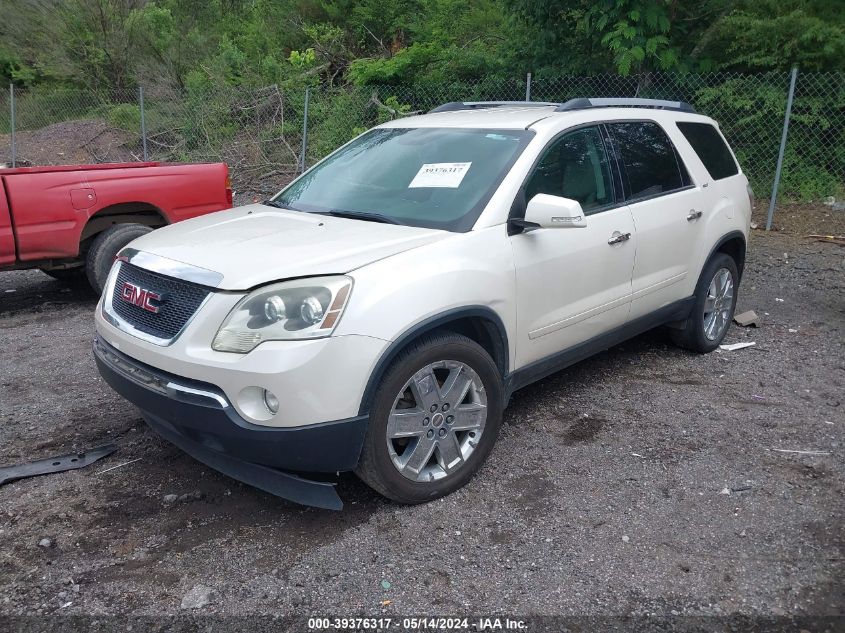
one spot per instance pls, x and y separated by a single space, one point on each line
573 284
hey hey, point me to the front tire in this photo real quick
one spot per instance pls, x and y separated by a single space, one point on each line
105 248
434 419
713 309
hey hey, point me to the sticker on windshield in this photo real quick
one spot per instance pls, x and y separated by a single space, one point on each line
440 175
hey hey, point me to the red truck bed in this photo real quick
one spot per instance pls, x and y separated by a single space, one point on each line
50 215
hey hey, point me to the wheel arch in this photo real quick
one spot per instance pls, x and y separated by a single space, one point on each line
732 244
479 323
123 213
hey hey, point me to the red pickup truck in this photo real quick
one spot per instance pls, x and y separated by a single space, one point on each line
70 221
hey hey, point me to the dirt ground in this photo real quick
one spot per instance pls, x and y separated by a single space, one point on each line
645 481
72 143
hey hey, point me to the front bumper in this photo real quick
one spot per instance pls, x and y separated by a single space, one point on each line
198 418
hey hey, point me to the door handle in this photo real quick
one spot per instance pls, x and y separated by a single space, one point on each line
618 238
693 215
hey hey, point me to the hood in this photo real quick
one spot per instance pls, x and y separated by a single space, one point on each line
257 244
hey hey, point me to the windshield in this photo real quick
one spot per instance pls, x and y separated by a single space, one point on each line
429 177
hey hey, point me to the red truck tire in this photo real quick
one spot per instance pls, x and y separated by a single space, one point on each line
105 248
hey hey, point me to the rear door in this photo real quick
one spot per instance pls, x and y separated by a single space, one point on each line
573 284
7 237
666 209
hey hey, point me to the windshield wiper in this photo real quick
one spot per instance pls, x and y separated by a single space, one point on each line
338 213
362 215
278 205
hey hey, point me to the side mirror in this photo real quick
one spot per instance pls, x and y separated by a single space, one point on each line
553 212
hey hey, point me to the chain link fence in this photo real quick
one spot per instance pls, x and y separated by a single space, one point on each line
260 131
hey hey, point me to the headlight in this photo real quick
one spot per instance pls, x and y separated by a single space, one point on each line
299 309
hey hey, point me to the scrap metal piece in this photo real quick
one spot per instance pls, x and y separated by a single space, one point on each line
736 346
55 464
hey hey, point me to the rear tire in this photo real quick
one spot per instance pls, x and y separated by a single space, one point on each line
435 417
713 309
105 248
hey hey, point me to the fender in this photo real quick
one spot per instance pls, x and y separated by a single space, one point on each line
428 325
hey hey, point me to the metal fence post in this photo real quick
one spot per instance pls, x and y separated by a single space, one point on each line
304 131
12 108
143 121
782 148
528 87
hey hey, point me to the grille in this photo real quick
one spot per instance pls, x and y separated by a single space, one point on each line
180 300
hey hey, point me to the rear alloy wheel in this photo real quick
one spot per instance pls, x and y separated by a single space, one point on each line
435 419
718 307
713 309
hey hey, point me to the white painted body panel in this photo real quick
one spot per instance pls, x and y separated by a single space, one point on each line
571 285
468 269
551 288
254 244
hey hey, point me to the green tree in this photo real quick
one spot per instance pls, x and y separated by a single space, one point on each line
765 35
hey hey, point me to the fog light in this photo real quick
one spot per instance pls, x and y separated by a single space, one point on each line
271 402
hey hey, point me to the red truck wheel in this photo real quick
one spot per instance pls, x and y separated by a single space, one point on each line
105 248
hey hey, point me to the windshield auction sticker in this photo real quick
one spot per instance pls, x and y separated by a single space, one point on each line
440 175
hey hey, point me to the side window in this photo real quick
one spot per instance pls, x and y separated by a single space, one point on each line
711 149
574 166
651 165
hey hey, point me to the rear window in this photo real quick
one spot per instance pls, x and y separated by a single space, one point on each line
651 166
711 149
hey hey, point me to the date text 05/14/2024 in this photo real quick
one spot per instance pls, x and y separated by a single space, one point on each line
480 624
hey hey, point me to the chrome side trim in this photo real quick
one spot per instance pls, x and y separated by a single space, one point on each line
171 267
114 319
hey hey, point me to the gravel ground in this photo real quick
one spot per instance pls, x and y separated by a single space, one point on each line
645 480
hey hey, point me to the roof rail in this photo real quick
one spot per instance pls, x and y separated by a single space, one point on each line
660 104
481 105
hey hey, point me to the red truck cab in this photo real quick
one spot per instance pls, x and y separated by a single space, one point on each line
71 220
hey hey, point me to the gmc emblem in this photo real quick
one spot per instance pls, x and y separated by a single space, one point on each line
140 297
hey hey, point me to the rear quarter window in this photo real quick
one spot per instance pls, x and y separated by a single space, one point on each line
711 149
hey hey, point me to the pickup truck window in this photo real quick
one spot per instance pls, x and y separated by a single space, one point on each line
429 177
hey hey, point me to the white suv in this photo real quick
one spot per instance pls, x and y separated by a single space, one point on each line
377 314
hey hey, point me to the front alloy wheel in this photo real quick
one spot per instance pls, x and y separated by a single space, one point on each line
437 420
434 419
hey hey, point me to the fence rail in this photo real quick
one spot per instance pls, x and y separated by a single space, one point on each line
267 134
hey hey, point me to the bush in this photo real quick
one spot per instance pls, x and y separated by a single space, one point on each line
126 116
